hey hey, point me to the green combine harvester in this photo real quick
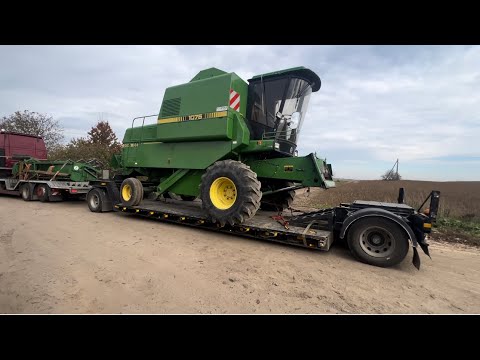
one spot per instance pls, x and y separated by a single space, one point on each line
222 155
229 143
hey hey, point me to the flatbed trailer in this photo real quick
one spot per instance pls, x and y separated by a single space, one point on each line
46 180
44 190
377 233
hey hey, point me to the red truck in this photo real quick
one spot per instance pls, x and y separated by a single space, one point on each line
15 146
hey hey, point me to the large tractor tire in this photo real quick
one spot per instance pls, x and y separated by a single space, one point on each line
230 192
377 241
131 192
279 201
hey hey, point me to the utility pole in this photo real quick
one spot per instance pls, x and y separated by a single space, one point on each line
397 169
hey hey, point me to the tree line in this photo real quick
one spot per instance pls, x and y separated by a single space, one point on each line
99 144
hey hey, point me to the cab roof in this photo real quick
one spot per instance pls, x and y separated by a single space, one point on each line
299 72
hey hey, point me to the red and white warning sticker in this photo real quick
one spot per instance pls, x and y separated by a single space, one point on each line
234 100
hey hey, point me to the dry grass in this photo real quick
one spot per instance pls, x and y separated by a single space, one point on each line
458 200
458 215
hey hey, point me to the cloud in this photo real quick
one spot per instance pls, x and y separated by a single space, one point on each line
376 104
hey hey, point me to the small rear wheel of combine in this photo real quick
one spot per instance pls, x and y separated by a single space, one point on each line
43 192
25 192
94 200
188 197
279 201
230 192
131 192
377 241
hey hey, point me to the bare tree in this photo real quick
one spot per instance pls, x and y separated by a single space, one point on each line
34 123
391 174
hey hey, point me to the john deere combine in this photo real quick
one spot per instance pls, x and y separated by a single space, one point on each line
230 143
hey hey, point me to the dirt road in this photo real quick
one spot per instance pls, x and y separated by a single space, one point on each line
61 258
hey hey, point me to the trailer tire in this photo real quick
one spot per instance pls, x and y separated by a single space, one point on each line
279 201
230 192
378 241
25 192
188 197
43 192
94 200
131 192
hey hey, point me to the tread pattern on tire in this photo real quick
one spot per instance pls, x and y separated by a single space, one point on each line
248 187
90 194
137 191
25 192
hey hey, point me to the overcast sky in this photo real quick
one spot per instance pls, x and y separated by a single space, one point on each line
420 104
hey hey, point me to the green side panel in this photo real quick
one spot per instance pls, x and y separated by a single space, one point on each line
307 170
188 155
185 155
196 97
196 130
77 171
205 95
140 134
259 146
116 161
189 184
166 184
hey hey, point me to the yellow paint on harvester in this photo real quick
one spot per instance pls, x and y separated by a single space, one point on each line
212 115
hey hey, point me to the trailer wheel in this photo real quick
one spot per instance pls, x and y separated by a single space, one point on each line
25 192
94 200
279 201
188 197
230 192
131 192
377 241
43 192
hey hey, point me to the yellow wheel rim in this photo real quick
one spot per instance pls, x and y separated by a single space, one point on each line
126 192
223 193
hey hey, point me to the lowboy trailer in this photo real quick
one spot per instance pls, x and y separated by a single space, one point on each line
377 233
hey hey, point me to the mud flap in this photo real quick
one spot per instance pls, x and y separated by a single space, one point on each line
424 247
416 259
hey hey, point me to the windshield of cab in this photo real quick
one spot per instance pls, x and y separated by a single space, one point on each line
290 111
278 107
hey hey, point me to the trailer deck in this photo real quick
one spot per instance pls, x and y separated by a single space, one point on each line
262 226
12 186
